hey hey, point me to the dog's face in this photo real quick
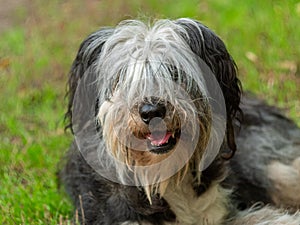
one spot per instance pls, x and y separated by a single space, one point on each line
162 96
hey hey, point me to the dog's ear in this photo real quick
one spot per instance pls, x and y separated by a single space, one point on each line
87 55
211 49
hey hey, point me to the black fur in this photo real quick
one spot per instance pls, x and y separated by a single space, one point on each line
81 63
105 202
265 135
214 53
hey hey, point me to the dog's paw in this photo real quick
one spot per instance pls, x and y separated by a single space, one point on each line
296 164
285 181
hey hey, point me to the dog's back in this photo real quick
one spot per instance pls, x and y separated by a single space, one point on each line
266 167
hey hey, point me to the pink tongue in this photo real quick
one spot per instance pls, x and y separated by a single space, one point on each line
159 139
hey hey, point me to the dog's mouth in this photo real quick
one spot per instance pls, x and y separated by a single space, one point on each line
162 142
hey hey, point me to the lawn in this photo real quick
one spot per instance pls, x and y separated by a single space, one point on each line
36 52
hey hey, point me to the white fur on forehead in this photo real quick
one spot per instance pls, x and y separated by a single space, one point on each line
144 58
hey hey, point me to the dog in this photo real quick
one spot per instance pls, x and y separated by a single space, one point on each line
157 112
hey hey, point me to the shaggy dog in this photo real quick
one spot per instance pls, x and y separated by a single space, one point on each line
156 111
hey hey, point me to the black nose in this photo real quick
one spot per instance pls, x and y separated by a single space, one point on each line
149 111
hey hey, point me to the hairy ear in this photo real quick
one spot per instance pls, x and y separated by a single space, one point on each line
87 55
211 49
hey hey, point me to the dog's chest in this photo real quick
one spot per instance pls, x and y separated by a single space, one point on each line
208 209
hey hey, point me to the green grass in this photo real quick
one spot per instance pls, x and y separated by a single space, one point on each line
35 56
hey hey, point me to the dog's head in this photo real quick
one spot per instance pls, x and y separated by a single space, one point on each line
162 94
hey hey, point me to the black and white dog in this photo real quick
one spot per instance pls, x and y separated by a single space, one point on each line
156 114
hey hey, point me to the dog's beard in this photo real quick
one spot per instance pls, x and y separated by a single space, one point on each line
163 150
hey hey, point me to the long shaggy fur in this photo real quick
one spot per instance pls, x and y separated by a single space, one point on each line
182 66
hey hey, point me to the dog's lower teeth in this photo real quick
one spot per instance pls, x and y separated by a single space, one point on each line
155 145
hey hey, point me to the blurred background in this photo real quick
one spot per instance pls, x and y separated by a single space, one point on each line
39 40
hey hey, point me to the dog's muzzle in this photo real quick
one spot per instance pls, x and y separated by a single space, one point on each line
162 136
